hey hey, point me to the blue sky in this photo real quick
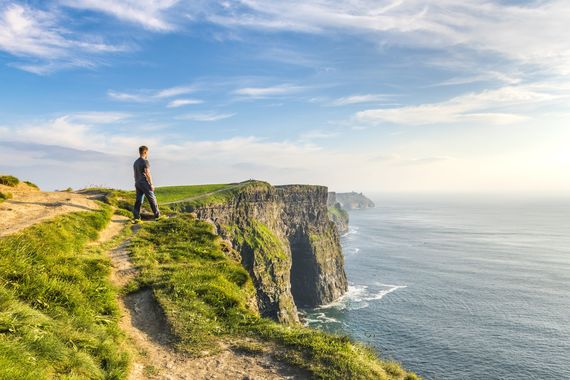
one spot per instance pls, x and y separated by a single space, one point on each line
378 95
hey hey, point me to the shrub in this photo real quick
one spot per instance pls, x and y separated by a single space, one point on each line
4 196
31 184
9 180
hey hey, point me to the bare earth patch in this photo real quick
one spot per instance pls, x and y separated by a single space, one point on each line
148 333
30 206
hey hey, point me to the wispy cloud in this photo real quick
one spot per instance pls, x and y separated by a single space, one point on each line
98 117
528 34
143 96
183 102
150 14
267 92
207 116
70 132
501 106
316 134
42 44
357 99
174 91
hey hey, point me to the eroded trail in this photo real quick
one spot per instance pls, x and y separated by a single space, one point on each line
29 206
147 330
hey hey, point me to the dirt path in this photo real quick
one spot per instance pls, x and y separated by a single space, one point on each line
148 333
29 206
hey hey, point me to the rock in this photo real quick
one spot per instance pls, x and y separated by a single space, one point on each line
337 214
287 243
350 201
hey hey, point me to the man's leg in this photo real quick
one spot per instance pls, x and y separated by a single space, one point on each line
152 200
138 203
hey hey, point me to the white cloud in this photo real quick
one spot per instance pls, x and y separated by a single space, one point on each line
174 91
207 116
270 91
316 134
356 99
528 34
501 106
150 14
535 158
98 117
30 33
143 96
183 102
127 97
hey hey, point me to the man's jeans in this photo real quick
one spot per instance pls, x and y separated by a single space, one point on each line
142 190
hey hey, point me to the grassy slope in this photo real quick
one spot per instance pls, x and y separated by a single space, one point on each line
188 196
220 196
339 213
205 296
176 193
58 311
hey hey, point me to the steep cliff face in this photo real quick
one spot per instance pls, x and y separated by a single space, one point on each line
353 200
317 273
337 214
286 242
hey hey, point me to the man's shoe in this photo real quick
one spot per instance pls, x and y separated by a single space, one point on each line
137 221
161 217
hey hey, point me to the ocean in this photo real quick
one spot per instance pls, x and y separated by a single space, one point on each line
459 287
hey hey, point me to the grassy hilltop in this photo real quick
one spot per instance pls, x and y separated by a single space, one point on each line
59 315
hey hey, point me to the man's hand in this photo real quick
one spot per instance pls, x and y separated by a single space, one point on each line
152 188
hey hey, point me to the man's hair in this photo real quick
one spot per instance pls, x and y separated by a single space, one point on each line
143 149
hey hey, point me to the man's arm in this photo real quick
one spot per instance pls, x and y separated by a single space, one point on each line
148 177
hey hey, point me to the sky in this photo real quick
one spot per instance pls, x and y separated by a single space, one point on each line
391 96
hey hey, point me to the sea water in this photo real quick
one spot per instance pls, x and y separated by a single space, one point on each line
459 287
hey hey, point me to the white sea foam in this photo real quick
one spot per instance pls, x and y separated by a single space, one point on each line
360 296
351 231
352 251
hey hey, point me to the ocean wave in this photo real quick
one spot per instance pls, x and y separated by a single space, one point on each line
352 251
360 296
319 318
351 231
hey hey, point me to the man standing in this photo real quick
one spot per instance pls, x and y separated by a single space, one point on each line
144 186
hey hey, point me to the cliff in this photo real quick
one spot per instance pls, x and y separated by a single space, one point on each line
179 286
337 214
351 201
286 241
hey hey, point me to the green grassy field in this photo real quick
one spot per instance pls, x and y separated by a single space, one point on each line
58 311
168 196
205 297
176 193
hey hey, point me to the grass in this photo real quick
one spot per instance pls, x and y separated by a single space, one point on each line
220 196
207 296
338 212
31 184
58 311
177 193
5 196
259 238
124 199
9 180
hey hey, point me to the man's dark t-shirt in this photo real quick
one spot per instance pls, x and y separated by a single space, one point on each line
139 166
